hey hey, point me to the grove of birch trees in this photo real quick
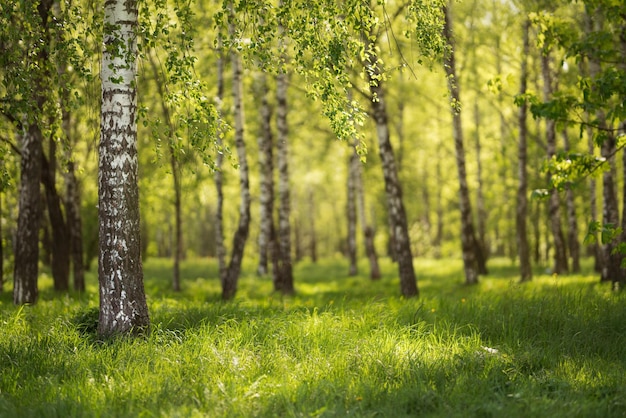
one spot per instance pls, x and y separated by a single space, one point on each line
278 131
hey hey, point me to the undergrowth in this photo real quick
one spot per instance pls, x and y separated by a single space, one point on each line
343 346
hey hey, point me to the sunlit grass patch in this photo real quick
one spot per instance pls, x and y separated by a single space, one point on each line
342 346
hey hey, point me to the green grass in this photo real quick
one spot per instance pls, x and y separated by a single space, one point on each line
344 346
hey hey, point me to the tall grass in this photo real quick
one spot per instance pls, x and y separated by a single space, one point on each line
344 346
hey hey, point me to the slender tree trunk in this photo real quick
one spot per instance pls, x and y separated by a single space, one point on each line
220 250
123 307
72 192
468 236
60 234
353 168
26 258
521 214
393 190
554 211
438 240
594 248
480 199
178 215
25 272
176 179
367 229
229 282
611 259
284 282
266 170
312 231
572 230
75 228
622 128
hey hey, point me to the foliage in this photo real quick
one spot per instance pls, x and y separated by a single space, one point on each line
343 347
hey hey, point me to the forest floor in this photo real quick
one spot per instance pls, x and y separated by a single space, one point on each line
343 346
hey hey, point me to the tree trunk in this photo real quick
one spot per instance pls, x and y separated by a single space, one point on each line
284 279
220 250
438 240
367 229
266 171
480 199
572 230
123 307
622 128
178 214
229 282
611 259
60 235
175 167
521 214
393 190
25 272
468 236
75 227
353 167
312 232
554 211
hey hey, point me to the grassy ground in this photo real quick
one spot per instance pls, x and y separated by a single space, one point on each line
341 347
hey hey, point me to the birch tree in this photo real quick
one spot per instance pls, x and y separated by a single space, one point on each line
123 306
393 189
521 214
468 234
231 277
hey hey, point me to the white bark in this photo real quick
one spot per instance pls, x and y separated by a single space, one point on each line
122 299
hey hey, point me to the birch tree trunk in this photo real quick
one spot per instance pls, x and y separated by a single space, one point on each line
353 167
312 231
220 250
123 307
367 229
176 179
25 272
284 279
468 235
611 260
75 227
438 240
231 278
521 213
60 265
393 189
480 199
266 171
554 211
72 193
26 257
572 225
